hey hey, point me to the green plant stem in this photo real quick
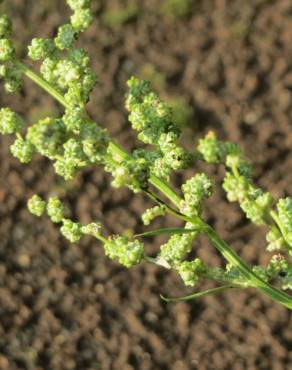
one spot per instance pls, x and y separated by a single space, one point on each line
198 294
165 189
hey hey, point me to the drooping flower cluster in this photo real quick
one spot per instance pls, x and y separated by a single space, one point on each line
126 250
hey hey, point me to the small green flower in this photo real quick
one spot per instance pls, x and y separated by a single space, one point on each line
178 246
55 209
214 151
78 4
68 72
5 26
66 37
128 252
71 230
74 118
195 190
7 50
190 271
151 213
10 122
41 48
36 205
93 229
81 19
275 240
22 149
80 57
48 70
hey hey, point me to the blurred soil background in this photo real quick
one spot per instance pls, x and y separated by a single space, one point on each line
223 65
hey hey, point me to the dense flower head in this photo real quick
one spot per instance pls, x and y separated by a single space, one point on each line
36 205
195 190
22 149
48 136
128 252
178 246
55 209
10 122
41 48
7 50
66 37
190 271
78 4
82 19
215 151
71 230
151 213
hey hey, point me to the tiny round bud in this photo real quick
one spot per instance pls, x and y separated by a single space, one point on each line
10 122
36 205
71 230
66 37
22 149
55 209
7 50
40 48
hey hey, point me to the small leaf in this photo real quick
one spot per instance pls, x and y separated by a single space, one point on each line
197 294
169 230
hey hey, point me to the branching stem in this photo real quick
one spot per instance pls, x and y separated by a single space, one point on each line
228 253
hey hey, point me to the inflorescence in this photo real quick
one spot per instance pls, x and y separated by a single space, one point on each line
74 141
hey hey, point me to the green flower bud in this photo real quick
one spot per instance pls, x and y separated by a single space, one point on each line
93 229
178 246
127 252
152 213
284 207
68 72
78 4
214 151
36 205
48 70
195 190
80 57
66 37
81 19
190 271
71 230
275 240
55 209
22 149
10 122
48 136
5 26
66 168
41 48
7 50
74 119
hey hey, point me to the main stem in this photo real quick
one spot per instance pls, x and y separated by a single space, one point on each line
165 189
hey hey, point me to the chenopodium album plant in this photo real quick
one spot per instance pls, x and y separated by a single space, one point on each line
75 141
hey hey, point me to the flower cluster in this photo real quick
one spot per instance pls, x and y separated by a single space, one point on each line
195 190
74 141
127 251
151 213
153 119
9 69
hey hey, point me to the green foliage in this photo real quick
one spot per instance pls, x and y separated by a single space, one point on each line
74 141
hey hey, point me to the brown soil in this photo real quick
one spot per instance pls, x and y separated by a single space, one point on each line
66 306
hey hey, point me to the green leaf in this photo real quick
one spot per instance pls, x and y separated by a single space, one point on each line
169 230
197 294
